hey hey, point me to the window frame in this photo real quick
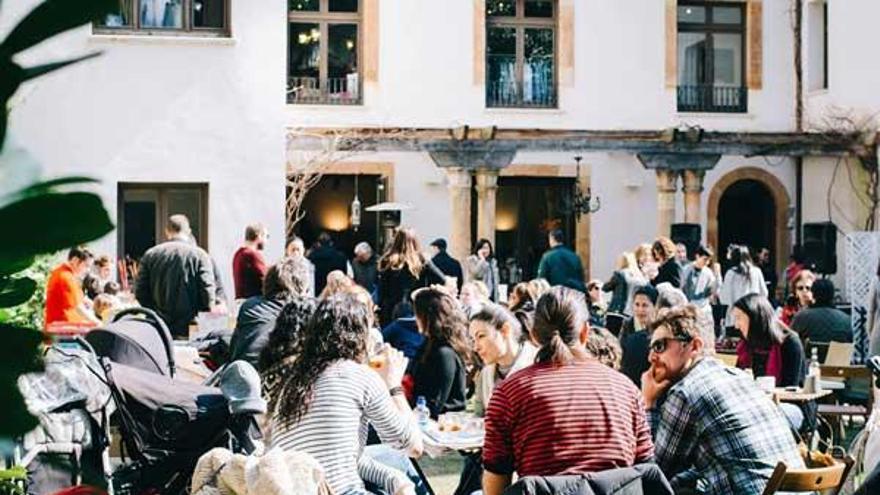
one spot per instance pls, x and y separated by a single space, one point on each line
187 30
519 22
324 18
161 189
709 29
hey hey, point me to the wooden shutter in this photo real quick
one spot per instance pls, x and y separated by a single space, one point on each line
479 42
371 40
671 43
755 51
565 57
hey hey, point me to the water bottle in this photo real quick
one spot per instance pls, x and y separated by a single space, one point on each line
814 373
423 414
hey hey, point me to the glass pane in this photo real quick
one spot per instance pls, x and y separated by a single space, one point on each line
343 5
727 15
500 8
691 59
690 14
539 8
139 221
209 13
305 60
538 82
187 202
728 60
120 16
161 14
304 5
342 62
501 66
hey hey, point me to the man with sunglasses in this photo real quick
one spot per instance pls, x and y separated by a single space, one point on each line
714 431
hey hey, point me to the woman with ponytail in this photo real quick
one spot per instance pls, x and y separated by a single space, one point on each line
568 413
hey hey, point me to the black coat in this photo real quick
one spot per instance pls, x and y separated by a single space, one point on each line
670 271
449 266
326 258
395 286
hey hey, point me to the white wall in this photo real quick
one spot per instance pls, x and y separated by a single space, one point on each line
853 73
155 109
426 74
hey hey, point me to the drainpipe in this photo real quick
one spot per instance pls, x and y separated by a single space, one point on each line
798 115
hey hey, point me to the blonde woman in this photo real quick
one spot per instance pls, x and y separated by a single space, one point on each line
627 278
645 260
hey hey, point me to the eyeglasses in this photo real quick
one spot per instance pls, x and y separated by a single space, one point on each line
660 345
804 288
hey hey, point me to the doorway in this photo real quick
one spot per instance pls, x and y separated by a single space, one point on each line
746 216
328 209
527 209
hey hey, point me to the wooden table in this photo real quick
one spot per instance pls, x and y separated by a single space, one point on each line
795 396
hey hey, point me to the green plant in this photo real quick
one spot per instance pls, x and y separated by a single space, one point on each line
31 313
37 217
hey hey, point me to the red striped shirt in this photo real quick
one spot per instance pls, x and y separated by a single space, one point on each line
579 418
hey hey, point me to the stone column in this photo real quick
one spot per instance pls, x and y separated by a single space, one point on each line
665 200
487 187
460 209
692 187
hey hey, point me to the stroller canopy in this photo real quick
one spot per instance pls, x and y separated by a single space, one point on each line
138 338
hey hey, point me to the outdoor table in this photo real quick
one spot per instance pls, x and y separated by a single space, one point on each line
799 395
466 441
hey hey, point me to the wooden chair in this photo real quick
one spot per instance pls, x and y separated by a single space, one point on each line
827 479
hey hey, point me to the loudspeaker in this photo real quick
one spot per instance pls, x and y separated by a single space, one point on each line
688 234
820 246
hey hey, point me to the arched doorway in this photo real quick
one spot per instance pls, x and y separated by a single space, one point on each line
750 206
746 215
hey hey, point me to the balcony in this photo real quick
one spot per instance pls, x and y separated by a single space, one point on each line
518 95
335 91
712 99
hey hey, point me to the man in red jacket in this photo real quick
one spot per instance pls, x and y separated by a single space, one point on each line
65 301
248 266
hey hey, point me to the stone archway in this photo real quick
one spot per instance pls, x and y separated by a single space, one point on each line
781 201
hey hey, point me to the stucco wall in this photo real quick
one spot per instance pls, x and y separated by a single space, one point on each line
426 75
170 110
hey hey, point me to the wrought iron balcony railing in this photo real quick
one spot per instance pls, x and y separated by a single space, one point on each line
335 91
517 95
715 99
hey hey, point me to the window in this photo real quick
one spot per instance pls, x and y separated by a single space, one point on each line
203 17
711 57
323 52
521 53
817 46
144 209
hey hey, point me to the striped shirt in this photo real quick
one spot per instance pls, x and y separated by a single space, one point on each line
578 418
347 398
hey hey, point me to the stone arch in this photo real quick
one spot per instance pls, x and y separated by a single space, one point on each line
781 202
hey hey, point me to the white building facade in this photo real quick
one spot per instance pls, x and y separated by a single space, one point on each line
179 116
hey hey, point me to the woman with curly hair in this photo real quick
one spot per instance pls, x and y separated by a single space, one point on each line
440 374
329 397
281 348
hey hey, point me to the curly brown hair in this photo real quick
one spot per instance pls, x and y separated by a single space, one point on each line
442 321
337 330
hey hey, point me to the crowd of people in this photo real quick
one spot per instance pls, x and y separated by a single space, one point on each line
571 376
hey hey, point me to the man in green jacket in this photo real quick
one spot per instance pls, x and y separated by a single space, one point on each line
560 265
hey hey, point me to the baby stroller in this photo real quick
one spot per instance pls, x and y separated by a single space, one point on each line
165 424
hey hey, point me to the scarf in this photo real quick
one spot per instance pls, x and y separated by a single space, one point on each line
773 362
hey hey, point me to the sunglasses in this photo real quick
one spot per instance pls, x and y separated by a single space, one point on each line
806 288
660 345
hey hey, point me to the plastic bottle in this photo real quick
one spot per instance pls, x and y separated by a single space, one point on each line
423 414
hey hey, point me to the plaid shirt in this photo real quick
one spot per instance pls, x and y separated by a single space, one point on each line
715 427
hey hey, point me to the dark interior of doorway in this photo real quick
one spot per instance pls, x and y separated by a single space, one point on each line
527 208
746 215
328 208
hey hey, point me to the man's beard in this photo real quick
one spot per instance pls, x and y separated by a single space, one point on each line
260 245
